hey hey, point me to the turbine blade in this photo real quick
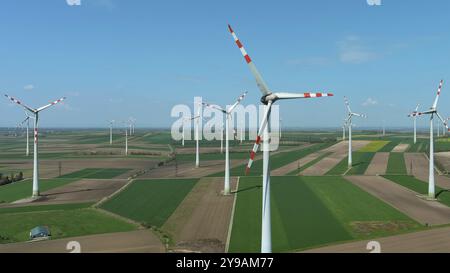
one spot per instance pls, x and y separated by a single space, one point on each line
21 104
307 95
241 97
438 94
25 120
417 108
259 80
258 138
443 120
347 104
359 115
212 106
50 104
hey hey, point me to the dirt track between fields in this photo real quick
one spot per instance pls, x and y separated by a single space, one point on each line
85 190
420 169
140 241
339 152
403 199
188 170
429 241
378 165
201 221
294 165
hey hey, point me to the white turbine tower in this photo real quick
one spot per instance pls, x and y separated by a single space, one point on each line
221 139
27 120
197 136
433 111
35 113
126 125
344 127
268 98
197 139
227 112
414 116
350 115
111 123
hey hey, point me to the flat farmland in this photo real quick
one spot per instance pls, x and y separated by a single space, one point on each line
312 211
95 173
150 202
360 164
63 221
19 190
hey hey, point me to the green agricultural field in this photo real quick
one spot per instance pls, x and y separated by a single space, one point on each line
396 164
150 201
374 146
309 164
63 223
442 145
277 160
309 212
93 173
420 187
360 161
421 146
391 145
23 189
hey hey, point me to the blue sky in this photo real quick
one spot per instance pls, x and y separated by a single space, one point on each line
115 58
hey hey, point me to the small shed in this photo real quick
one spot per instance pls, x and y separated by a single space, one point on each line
40 232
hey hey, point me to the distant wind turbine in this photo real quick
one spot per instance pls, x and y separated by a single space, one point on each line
35 113
350 115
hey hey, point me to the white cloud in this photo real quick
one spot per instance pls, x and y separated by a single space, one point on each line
370 102
28 87
352 51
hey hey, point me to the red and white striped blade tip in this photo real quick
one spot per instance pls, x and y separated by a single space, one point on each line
230 29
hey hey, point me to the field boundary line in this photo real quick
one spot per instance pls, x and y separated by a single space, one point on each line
435 167
345 173
230 226
107 198
115 215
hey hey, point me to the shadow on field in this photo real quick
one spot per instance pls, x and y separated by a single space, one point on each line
66 192
248 189
357 164
441 192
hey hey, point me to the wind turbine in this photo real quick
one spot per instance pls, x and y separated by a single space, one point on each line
227 112
197 136
126 124
27 120
344 126
268 98
350 115
35 113
414 116
221 139
433 111
111 122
